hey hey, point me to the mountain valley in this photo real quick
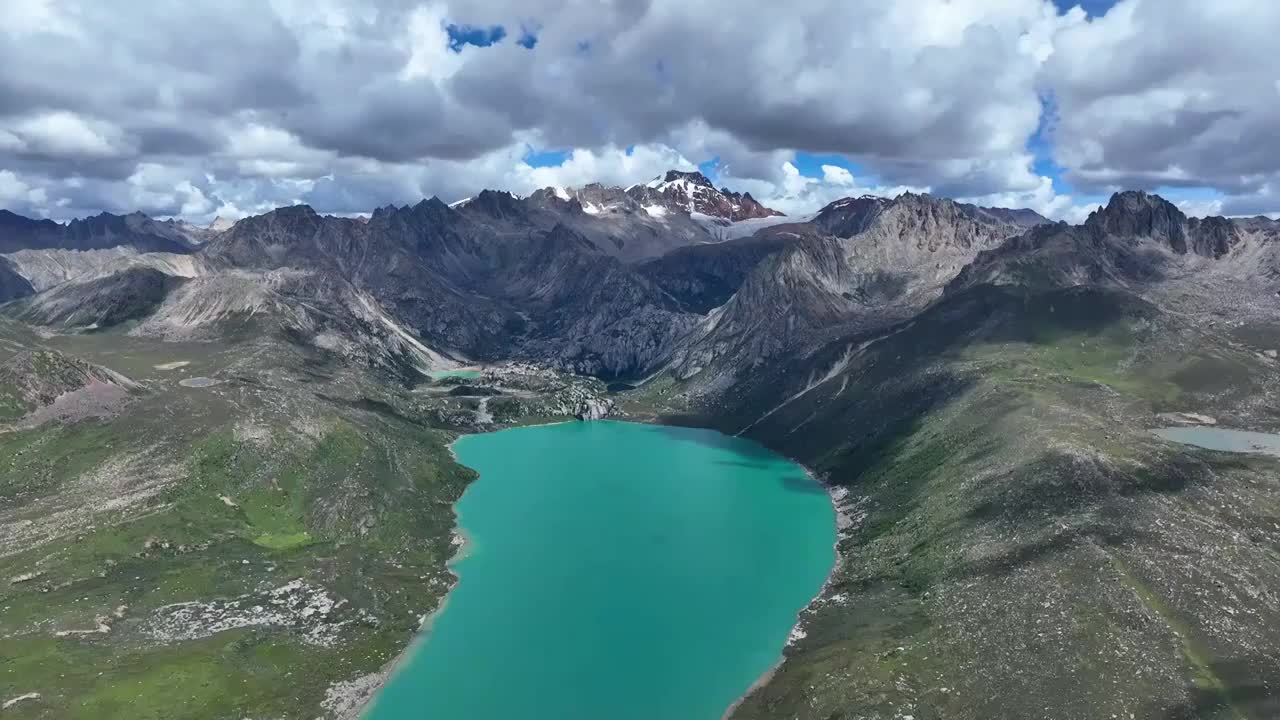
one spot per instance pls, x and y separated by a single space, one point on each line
228 487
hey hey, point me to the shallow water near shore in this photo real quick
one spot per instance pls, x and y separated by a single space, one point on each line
1225 439
441 374
617 570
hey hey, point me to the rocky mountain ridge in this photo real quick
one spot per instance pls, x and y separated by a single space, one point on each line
1135 240
595 281
860 263
105 230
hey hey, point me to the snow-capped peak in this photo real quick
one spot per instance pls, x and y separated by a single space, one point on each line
692 192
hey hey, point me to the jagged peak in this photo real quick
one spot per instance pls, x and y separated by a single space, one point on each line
1138 213
555 193
693 176
384 211
286 214
429 207
921 197
849 216
497 204
302 210
845 202
220 224
1130 201
691 191
432 203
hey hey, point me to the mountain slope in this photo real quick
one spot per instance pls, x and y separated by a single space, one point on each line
12 283
1015 543
482 288
45 268
97 301
859 263
1011 526
703 277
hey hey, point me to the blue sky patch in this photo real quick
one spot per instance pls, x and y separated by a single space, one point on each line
461 35
546 158
810 164
1094 8
1040 145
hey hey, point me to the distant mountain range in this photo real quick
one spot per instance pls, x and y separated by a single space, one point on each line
587 278
605 280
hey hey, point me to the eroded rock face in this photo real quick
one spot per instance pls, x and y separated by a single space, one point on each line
594 409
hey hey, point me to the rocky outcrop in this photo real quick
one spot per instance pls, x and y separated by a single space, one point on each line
594 409
11 702
1135 214
35 379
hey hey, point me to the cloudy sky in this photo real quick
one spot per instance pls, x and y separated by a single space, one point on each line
198 108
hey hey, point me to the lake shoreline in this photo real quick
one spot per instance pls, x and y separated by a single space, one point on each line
373 684
845 521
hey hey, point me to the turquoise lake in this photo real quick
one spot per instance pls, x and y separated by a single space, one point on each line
616 570
438 374
1225 439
